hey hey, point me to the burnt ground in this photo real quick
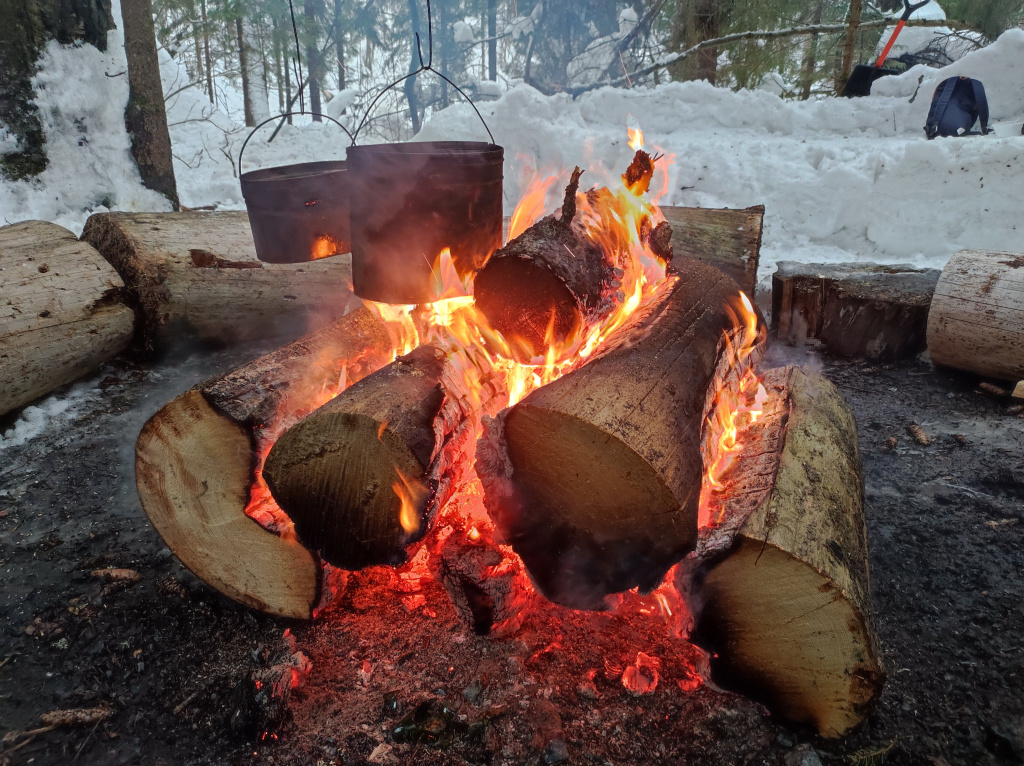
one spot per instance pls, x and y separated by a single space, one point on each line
174 660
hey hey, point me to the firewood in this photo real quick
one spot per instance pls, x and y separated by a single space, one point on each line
195 462
547 283
729 240
594 479
196 274
62 313
785 594
854 309
976 321
365 475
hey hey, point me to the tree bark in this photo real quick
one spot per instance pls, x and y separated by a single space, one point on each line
594 479
408 429
534 294
414 62
313 60
811 58
197 461
976 320
694 22
192 274
63 312
144 117
849 45
339 42
206 53
25 29
243 66
785 586
492 39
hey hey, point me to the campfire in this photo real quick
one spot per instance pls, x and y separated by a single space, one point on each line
579 426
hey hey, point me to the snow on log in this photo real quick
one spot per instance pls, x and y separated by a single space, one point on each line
196 458
783 594
594 479
62 313
197 274
976 321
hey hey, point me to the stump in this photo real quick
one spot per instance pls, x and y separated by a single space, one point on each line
62 311
594 478
855 309
197 459
785 599
729 240
196 274
976 321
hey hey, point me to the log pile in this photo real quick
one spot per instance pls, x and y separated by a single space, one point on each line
196 461
729 240
192 274
62 311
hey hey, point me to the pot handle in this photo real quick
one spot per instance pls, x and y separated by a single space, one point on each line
282 116
425 66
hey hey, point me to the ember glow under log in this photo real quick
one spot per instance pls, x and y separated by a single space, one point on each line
595 478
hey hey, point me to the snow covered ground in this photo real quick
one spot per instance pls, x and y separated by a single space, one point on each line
841 179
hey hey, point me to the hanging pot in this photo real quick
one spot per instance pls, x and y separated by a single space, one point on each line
299 212
411 201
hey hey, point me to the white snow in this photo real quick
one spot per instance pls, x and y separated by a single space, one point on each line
50 413
841 179
463 32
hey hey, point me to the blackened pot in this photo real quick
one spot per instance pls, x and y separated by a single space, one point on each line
409 202
298 212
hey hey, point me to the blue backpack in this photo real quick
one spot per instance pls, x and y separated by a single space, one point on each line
957 103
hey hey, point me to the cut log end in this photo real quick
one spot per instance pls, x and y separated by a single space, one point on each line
528 305
193 470
759 586
336 480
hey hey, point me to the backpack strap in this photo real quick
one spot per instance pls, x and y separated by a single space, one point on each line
980 104
940 100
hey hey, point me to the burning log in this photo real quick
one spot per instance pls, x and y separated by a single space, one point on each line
729 240
364 476
544 285
783 599
976 321
196 461
594 479
197 274
63 313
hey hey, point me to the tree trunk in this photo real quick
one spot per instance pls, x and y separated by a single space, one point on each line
63 312
594 479
243 67
206 53
366 475
313 60
694 22
976 321
197 42
492 41
279 69
849 45
194 274
535 295
414 63
811 58
144 117
197 461
786 590
24 32
339 42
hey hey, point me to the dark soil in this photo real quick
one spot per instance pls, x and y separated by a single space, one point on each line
176 662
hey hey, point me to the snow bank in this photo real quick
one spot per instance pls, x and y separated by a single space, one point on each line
841 179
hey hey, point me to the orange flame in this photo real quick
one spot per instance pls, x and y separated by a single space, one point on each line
636 138
531 205
411 494
324 246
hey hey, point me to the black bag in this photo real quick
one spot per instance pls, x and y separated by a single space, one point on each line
957 104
